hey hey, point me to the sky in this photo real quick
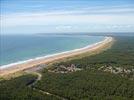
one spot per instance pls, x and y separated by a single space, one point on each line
66 16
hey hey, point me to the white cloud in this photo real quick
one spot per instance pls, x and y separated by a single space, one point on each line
42 19
63 27
64 20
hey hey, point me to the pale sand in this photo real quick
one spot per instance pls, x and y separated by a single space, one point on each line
33 63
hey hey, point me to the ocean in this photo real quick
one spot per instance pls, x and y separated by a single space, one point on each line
19 48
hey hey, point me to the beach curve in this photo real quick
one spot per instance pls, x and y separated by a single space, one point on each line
45 60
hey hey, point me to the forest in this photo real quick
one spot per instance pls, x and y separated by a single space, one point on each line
93 82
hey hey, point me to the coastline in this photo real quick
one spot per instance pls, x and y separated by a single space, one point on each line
12 68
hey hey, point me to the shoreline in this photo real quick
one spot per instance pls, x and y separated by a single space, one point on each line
23 65
45 56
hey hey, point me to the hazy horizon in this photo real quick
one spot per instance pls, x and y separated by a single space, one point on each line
66 16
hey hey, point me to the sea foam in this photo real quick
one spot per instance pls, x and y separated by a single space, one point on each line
52 55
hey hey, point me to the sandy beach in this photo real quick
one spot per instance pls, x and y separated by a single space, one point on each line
55 57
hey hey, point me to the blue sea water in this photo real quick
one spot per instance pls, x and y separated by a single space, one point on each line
15 48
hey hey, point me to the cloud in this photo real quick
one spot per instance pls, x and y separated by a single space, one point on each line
63 27
116 17
48 19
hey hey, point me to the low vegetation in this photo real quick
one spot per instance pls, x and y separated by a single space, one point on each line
106 76
18 89
87 84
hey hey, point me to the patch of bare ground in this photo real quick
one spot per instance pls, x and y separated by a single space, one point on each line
118 70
